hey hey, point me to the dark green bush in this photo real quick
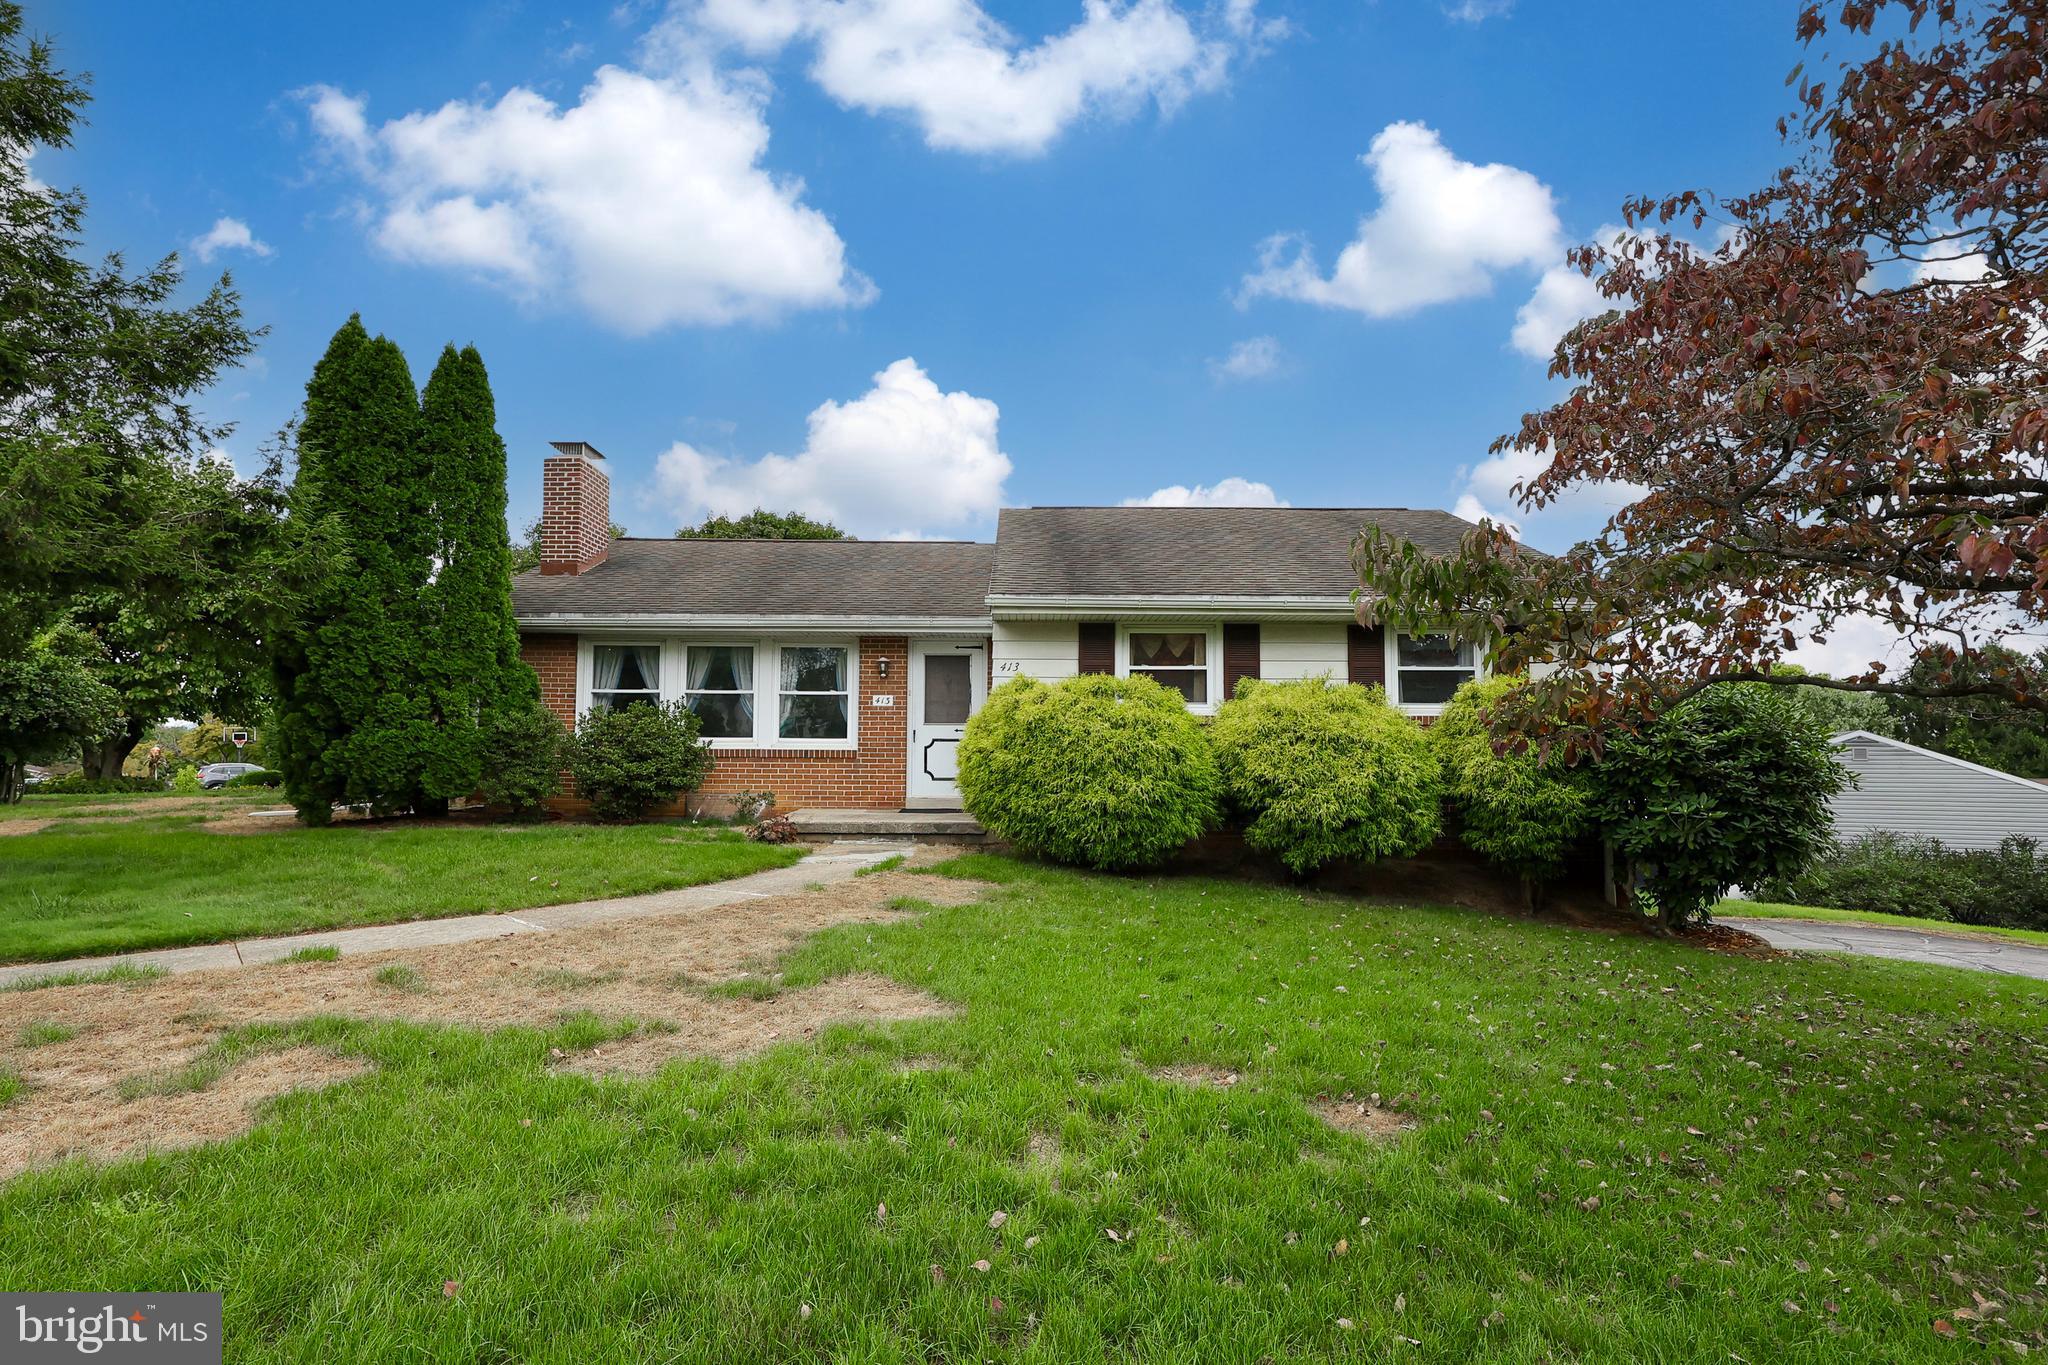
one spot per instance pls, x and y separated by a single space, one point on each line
1096 771
1320 772
262 777
2006 887
521 750
627 762
1515 810
78 784
1729 787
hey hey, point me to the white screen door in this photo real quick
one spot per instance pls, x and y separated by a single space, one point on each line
948 683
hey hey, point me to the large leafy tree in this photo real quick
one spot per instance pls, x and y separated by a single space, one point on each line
761 524
354 723
472 669
48 700
199 649
1839 415
1987 729
97 376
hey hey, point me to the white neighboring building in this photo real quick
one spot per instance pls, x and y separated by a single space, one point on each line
1904 789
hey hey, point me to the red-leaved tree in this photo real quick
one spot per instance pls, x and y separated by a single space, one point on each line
1839 414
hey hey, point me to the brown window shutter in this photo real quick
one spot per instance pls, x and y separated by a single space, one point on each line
1365 652
1240 654
1098 646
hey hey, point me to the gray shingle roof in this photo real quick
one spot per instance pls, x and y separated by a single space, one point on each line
769 578
1197 551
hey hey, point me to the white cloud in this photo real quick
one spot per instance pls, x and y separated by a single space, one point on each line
1967 269
646 202
903 458
1255 358
1477 11
1488 494
1563 299
969 83
228 234
1230 492
1443 229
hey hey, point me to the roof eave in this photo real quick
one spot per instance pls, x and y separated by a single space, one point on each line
1061 606
755 621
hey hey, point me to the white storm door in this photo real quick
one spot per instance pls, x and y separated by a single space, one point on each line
948 683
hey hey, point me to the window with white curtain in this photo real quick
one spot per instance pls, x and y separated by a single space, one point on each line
719 687
621 675
812 688
1178 659
1429 668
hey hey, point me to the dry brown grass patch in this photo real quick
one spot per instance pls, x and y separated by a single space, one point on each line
1361 1117
55 1120
628 969
1198 1074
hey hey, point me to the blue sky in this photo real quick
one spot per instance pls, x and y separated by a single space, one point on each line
900 263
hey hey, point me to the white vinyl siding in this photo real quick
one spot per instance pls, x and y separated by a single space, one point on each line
1045 650
1302 649
1906 790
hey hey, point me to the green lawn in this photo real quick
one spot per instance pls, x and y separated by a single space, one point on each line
120 805
1773 910
89 887
1628 1149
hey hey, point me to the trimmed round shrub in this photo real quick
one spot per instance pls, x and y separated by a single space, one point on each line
262 777
1321 771
628 761
521 752
186 780
1520 813
1729 787
1095 771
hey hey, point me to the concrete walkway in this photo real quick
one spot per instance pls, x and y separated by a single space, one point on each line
833 863
1979 953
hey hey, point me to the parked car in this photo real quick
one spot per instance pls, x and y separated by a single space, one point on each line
217 774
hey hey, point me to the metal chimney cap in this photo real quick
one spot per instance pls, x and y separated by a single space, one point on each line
583 448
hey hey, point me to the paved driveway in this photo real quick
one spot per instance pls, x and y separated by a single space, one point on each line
1978 953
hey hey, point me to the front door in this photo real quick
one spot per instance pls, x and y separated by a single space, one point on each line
948 683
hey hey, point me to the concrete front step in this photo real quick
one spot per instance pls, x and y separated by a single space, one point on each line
825 822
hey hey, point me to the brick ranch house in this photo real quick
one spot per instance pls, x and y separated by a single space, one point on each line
842 673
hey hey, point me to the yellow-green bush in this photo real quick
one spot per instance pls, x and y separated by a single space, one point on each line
1095 771
1321 772
1516 811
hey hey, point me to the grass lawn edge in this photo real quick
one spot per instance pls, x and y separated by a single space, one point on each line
1743 909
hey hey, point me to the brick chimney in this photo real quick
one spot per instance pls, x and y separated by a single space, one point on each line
575 509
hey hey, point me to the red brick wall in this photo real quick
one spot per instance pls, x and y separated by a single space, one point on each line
575 514
871 776
553 658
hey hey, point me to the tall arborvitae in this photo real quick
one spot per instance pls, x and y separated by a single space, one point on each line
472 658
354 722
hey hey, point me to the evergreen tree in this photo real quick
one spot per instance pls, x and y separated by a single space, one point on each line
472 660
354 722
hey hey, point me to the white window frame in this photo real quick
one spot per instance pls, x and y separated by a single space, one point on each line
1392 647
768 712
767 683
687 643
1212 653
586 669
